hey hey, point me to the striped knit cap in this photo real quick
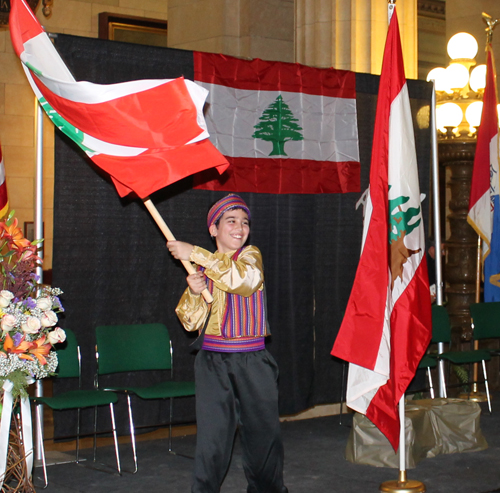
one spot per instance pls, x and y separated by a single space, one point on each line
229 202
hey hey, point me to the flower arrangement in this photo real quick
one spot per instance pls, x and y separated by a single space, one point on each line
28 315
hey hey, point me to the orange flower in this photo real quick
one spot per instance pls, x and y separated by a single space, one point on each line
27 350
30 254
38 349
14 236
9 347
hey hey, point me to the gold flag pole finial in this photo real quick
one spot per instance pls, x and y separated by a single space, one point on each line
491 23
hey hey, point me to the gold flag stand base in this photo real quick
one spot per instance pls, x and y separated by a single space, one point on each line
474 396
403 485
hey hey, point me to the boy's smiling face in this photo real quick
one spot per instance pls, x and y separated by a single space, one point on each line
232 232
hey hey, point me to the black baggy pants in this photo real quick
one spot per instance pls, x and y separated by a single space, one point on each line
237 390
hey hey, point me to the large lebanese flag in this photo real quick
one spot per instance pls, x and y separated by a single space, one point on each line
145 134
484 208
387 325
284 127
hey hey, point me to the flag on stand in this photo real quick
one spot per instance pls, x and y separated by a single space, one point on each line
284 127
484 209
145 134
387 325
4 201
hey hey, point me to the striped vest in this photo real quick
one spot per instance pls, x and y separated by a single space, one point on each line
243 316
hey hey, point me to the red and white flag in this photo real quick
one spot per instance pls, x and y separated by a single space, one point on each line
4 201
284 127
145 134
387 324
484 206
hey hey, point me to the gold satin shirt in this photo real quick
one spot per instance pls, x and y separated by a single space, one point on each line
243 276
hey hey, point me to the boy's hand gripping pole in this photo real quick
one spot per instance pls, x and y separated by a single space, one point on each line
170 237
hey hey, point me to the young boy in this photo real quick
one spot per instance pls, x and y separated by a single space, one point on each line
236 378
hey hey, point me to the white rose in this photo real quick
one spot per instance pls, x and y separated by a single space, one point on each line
57 335
44 304
5 298
49 319
31 326
8 322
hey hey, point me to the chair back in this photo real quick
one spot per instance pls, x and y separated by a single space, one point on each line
441 330
124 348
68 356
486 319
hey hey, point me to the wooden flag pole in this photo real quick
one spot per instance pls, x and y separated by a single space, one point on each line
170 237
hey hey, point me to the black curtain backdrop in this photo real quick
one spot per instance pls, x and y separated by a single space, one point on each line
111 261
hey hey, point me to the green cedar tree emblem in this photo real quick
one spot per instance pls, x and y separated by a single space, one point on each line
66 128
401 223
277 125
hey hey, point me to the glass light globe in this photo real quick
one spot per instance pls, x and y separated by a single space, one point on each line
478 78
462 45
457 76
438 75
473 113
449 115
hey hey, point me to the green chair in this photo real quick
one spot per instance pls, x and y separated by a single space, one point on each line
118 351
486 322
69 366
441 332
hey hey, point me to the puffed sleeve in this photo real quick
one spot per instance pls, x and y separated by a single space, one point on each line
243 276
192 311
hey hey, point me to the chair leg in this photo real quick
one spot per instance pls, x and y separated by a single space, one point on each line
78 420
486 385
170 424
132 433
342 391
115 438
441 376
42 448
431 386
95 434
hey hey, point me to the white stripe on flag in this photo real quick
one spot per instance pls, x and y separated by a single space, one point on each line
403 181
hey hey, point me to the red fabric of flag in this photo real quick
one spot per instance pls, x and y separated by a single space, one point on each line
145 134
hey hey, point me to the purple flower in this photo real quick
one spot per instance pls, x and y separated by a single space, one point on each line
30 303
57 304
17 338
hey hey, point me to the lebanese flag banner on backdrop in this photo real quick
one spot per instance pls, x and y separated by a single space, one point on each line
145 134
284 127
4 201
484 207
387 324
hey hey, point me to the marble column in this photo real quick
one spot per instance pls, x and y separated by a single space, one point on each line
351 35
245 28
